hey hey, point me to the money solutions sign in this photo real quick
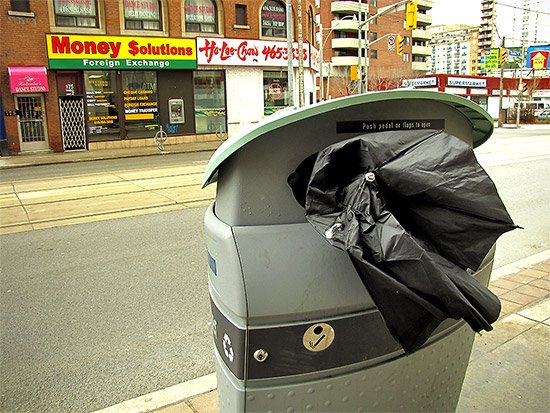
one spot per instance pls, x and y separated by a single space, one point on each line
119 52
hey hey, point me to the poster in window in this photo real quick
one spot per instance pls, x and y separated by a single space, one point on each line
142 9
200 11
75 7
273 15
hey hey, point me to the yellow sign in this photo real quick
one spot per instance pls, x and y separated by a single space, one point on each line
538 61
66 51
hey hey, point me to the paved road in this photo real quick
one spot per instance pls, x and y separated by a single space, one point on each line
518 160
97 313
100 312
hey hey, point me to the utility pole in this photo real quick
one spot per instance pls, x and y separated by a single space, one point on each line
520 88
500 115
289 53
301 97
359 48
322 82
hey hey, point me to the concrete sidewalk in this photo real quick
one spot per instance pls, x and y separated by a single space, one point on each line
52 158
509 369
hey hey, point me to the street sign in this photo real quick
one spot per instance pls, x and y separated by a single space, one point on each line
514 53
391 43
492 59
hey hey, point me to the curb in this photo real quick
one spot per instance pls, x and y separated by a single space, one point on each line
520 265
167 397
23 161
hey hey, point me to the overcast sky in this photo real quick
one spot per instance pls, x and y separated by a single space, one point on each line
456 12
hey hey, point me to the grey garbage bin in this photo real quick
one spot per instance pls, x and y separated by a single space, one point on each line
294 327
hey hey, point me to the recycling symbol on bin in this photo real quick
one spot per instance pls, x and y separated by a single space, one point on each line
227 349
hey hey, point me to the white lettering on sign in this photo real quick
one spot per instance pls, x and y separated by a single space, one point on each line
424 81
466 82
247 52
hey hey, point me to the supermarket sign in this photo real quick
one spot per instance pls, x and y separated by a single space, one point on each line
247 52
119 52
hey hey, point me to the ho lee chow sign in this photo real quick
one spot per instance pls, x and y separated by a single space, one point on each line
246 52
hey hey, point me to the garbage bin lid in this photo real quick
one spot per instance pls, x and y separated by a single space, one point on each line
482 122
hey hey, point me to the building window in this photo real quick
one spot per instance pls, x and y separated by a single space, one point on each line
374 54
101 105
310 27
373 3
407 41
141 112
142 15
373 36
275 91
273 19
201 16
209 92
240 15
406 57
76 13
20 5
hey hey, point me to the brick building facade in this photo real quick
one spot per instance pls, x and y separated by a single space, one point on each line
108 73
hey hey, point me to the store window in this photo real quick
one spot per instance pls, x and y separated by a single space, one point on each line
275 91
142 15
209 91
75 13
141 113
101 105
201 16
273 19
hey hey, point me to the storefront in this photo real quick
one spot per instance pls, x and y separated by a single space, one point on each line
28 86
257 75
115 88
485 91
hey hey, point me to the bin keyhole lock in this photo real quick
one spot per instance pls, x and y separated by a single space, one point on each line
318 337
260 355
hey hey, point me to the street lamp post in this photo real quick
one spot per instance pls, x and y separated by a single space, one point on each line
323 43
399 6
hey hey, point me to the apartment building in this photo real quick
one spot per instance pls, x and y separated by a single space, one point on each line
342 29
92 74
518 22
454 49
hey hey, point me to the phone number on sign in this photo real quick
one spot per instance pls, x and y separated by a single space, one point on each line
277 52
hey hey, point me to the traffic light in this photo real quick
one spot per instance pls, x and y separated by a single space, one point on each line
503 54
412 10
399 46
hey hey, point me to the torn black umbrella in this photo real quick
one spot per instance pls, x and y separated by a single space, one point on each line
414 210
